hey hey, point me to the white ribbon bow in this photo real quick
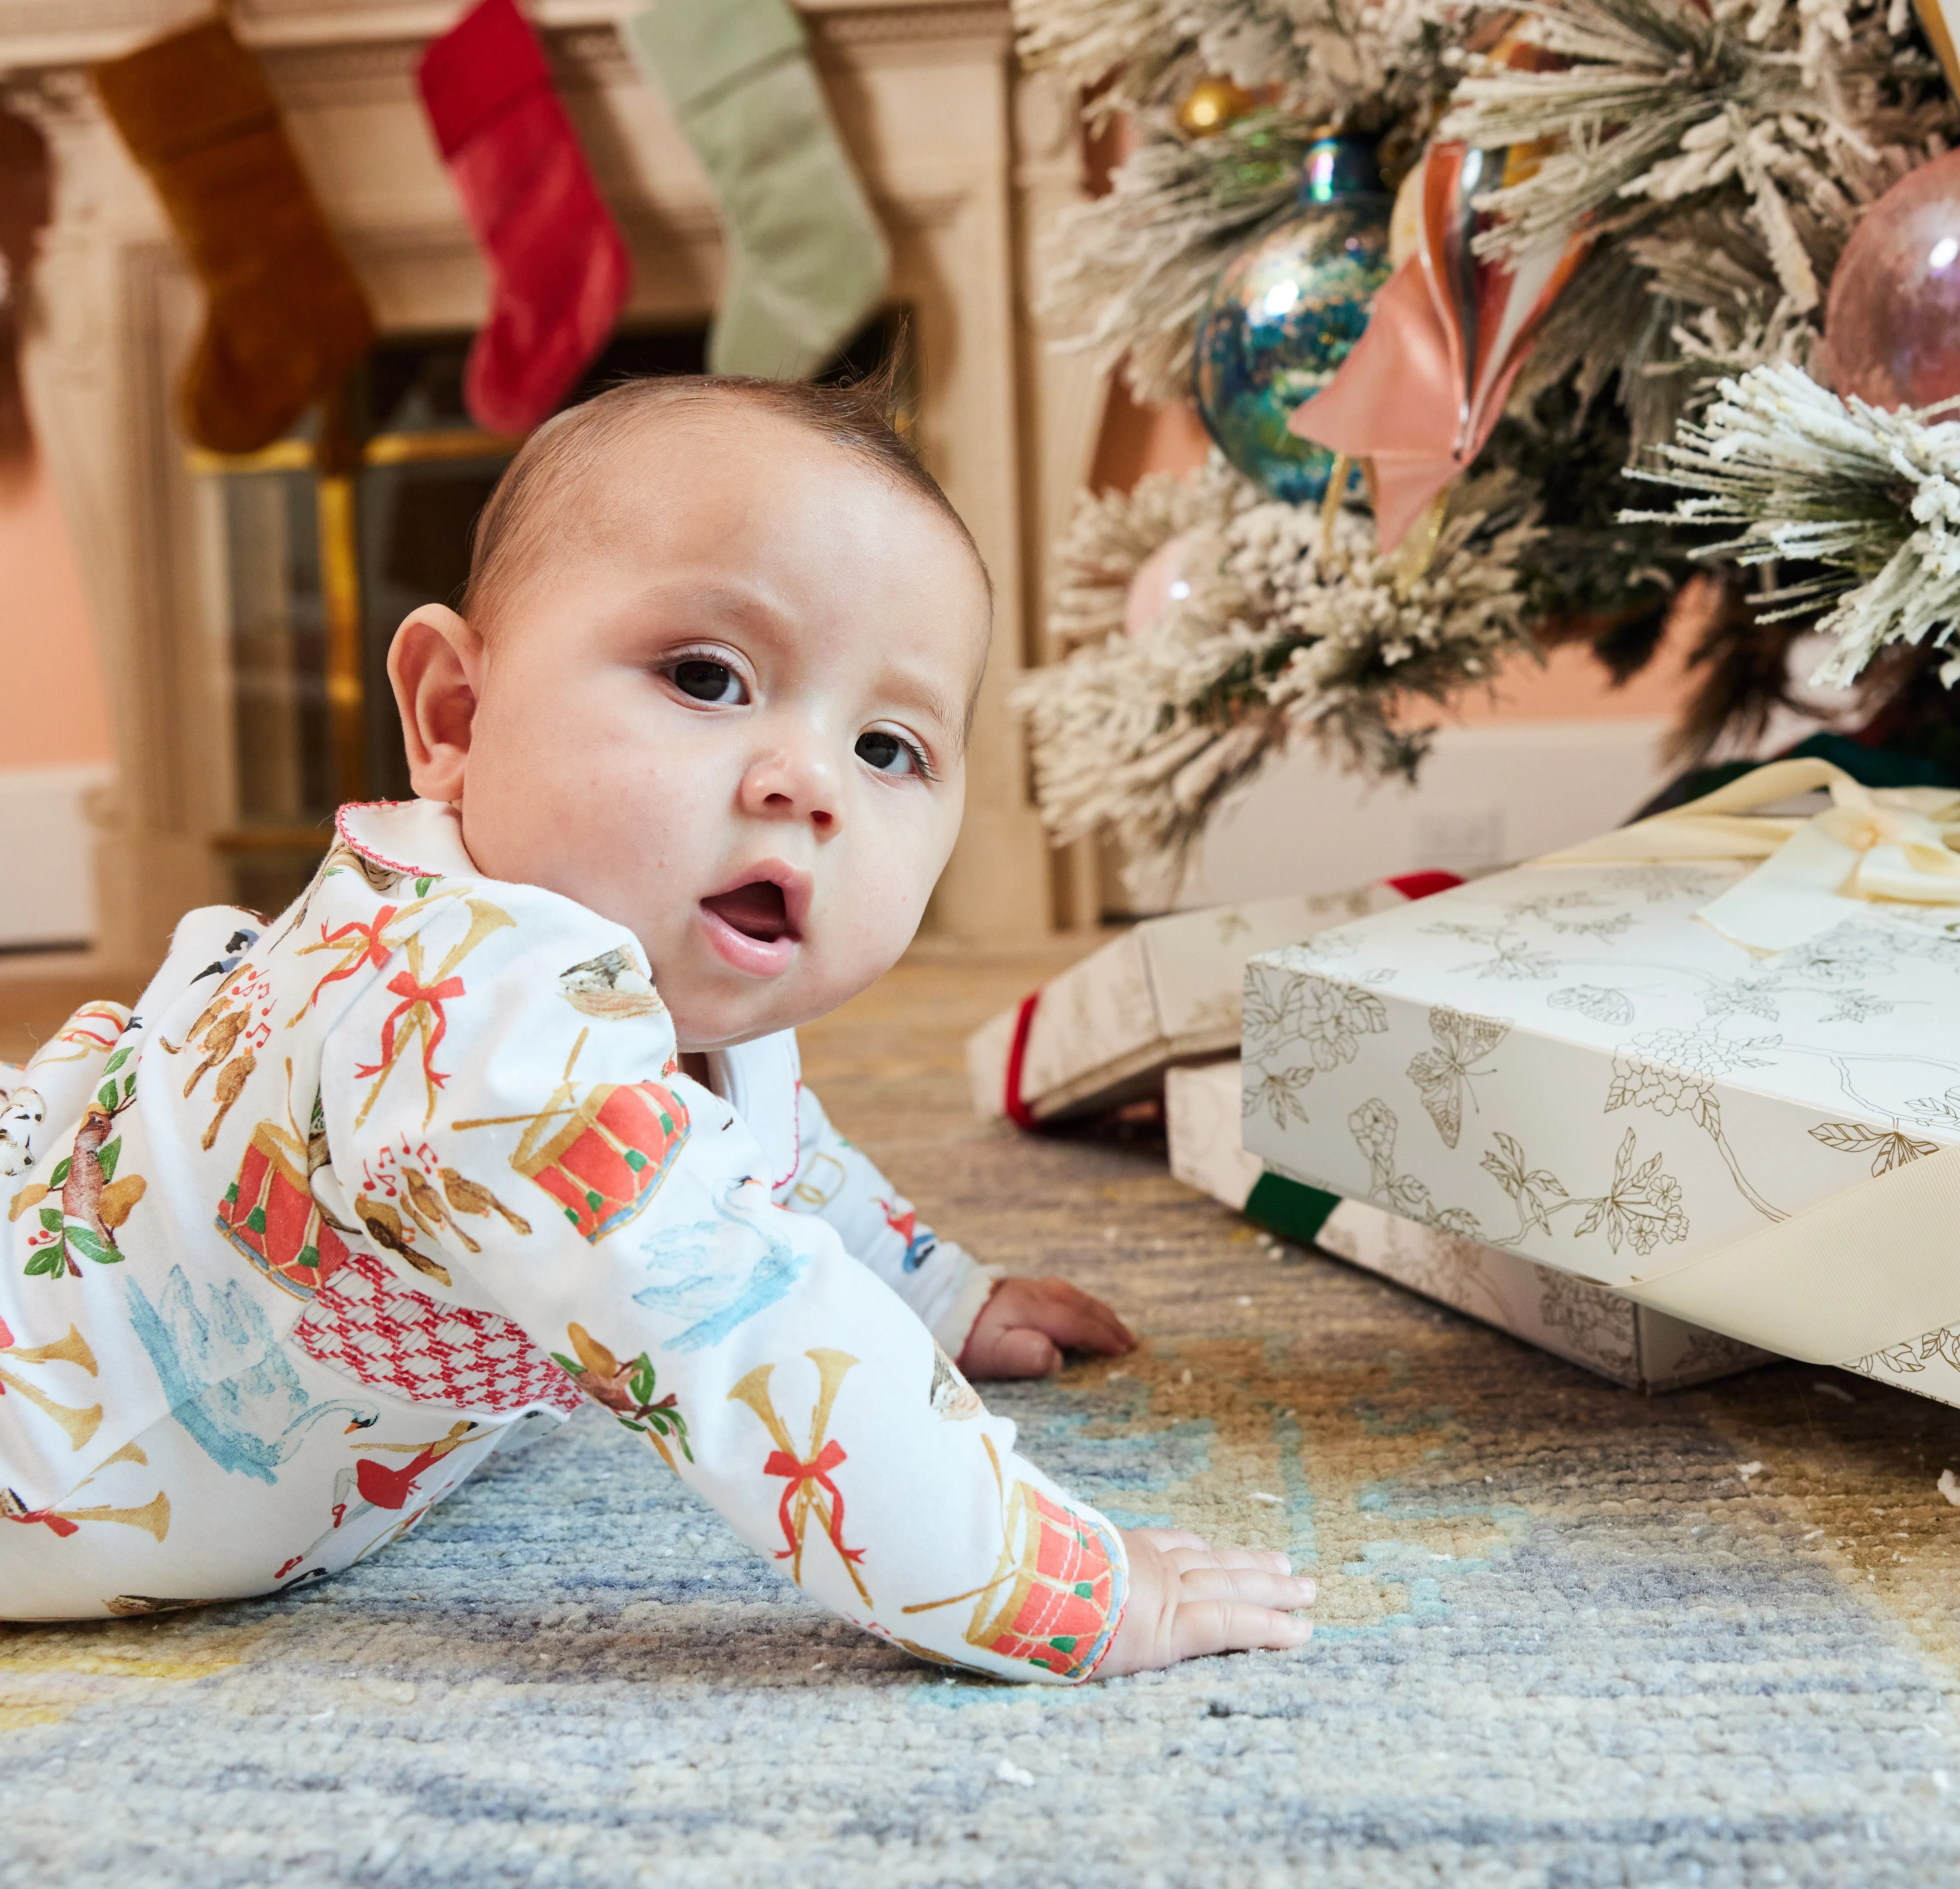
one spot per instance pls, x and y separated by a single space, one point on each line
1871 843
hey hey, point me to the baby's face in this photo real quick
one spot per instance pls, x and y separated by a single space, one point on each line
727 708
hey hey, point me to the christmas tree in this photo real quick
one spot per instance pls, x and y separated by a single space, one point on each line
1445 282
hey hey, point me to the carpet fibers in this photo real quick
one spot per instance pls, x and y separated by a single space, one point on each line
1568 1635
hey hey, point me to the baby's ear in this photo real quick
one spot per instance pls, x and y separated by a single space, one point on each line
433 663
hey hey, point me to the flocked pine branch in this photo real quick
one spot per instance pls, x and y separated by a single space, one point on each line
1795 113
1873 496
1146 737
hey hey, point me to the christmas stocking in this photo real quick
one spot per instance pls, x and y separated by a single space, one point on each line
558 269
806 260
23 208
285 319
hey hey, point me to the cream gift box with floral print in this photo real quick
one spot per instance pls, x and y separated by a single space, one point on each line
1633 1345
1579 1061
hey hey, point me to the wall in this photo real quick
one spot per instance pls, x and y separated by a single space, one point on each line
55 744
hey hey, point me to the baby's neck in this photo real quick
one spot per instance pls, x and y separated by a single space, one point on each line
693 1065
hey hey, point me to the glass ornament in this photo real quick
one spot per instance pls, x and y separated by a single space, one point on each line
1159 582
1283 315
1212 104
1891 327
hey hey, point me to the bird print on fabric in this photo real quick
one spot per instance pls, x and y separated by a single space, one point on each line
229 1382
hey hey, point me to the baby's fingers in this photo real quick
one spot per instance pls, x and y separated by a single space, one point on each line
1228 1557
1257 1586
1234 1626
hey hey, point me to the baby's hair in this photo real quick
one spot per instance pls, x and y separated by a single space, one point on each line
857 418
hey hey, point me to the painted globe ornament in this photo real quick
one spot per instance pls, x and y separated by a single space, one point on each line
1283 315
1891 327
1212 104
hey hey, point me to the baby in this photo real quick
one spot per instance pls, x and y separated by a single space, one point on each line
504 1112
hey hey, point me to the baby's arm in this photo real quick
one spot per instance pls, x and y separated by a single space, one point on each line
995 1327
514 1151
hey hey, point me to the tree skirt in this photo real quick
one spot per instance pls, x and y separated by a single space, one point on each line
1568 1635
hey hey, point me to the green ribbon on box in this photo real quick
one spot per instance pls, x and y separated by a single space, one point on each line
1287 1208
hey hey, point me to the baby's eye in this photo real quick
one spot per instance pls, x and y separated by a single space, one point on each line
707 681
890 753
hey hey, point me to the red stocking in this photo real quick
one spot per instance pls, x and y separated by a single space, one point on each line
558 268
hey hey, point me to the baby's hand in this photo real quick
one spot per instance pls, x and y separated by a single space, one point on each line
1023 1328
1187 1600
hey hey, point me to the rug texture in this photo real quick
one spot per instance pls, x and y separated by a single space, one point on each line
1568 1635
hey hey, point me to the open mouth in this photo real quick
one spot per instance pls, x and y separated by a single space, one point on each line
757 911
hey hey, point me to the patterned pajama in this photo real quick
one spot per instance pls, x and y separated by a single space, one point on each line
358 1197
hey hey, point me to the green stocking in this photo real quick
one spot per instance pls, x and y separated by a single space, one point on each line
806 260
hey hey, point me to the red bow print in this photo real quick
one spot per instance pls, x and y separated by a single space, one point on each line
60 1524
817 1470
412 993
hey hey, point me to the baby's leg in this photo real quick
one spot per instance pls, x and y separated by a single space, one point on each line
167 1521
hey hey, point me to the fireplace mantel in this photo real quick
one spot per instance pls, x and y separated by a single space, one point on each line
962 157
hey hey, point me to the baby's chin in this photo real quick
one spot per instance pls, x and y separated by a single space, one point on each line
711 1012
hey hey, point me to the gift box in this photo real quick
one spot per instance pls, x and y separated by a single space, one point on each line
1709 1062
1631 1344
1166 992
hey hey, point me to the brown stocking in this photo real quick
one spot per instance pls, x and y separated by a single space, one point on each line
286 319
23 208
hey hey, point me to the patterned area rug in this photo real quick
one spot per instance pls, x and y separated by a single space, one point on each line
1568 1635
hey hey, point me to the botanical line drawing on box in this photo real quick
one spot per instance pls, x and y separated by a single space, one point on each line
1610 924
1323 1018
1596 1000
1374 1126
1671 1072
1596 1323
1911 1356
1889 1148
1512 960
1660 880
1443 1074
1446 1266
1642 1207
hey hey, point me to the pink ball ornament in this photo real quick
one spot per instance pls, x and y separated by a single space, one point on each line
1891 327
1159 583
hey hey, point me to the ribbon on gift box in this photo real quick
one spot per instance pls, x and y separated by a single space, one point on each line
1878 843
1875 1264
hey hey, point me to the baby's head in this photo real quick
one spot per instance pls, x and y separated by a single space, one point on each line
712 678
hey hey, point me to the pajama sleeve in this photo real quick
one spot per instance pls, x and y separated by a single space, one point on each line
504 1114
836 1180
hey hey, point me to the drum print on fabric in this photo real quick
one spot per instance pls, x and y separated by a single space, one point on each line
601 1155
1057 1594
269 1213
